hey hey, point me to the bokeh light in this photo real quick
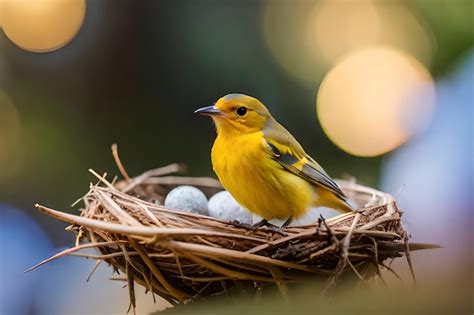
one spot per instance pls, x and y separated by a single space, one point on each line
282 22
374 100
310 40
10 138
401 27
42 25
337 27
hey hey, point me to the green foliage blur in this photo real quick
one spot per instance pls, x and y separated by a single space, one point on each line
454 297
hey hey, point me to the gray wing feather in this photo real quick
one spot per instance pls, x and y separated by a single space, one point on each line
311 171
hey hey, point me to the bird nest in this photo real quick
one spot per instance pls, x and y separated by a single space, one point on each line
182 256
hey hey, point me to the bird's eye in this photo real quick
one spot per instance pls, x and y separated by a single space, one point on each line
241 111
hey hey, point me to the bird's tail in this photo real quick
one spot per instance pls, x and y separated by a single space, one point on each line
328 199
344 206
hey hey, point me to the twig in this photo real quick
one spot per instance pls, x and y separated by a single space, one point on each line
102 179
182 180
130 284
408 256
276 274
172 168
118 162
228 253
178 294
123 216
232 274
97 263
392 271
354 269
130 230
344 254
71 250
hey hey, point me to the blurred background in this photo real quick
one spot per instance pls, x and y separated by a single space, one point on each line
381 91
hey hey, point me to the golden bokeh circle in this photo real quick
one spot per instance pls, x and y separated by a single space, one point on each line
374 100
282 25
306 38
336 27
42 25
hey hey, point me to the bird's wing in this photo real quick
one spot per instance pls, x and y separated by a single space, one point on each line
285 149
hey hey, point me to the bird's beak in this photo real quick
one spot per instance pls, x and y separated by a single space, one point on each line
209 110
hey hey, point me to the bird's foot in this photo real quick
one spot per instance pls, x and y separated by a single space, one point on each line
264 224
287 222
240 224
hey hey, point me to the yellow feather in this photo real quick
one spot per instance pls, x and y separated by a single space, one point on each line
256 181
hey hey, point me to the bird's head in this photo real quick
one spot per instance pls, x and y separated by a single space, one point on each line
237 113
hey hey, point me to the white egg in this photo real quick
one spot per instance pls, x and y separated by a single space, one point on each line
187 198
313 214
311 217
223 206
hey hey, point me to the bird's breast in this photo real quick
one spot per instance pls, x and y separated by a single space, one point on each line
235 160
247 170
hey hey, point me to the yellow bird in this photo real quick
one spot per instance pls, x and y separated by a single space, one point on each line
263 166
